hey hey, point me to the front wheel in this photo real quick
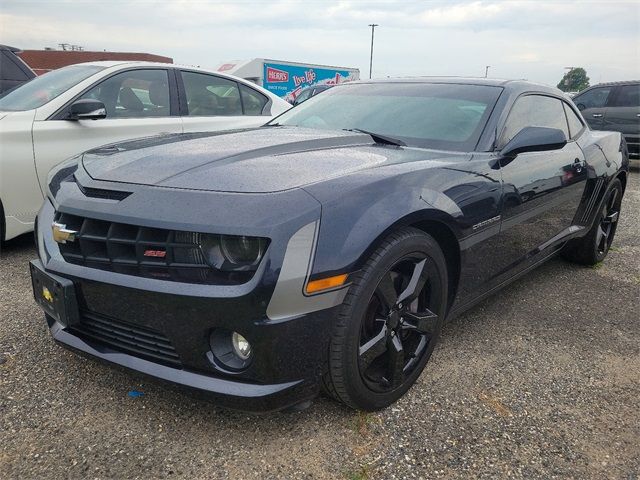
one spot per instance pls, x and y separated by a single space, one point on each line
389 323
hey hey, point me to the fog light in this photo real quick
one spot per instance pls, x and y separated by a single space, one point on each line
241 346
229 350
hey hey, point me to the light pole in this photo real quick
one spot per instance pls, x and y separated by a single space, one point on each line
373 27
486 71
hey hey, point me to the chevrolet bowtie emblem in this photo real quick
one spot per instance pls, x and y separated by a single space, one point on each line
62 234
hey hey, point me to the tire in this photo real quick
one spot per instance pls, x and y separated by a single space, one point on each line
379 347
2 224
594 246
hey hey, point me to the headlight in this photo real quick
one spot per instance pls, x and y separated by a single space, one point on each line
59 173
242 250
230 253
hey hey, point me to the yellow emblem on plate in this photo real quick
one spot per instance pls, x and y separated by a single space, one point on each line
47 295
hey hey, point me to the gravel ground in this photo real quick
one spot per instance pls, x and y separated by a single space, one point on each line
539 381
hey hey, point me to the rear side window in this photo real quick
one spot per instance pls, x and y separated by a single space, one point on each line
575 124
628 96
210 95
594 98
252 101
134 94
534 111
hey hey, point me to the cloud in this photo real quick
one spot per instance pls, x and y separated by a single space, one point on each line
521 39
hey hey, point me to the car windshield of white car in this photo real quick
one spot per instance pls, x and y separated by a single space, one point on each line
45 88
426 115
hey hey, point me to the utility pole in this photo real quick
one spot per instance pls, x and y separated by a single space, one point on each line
486 71
373 27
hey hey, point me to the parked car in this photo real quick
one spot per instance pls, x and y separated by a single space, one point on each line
327 248
307 93
13 71
73 109
614 106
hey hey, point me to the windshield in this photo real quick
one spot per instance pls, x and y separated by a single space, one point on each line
427 115
45 88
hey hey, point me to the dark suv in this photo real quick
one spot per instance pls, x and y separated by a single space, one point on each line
13 71
614 106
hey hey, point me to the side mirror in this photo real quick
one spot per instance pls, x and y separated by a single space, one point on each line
581 106
534 139
87 109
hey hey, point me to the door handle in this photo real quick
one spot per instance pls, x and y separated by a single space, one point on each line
637 114
597 115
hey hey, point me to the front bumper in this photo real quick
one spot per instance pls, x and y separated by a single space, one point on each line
289 351
286 369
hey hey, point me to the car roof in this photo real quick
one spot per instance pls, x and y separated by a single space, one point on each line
137 63
611 84
514 85
128 63
11 49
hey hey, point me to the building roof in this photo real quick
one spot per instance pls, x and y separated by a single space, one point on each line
42 61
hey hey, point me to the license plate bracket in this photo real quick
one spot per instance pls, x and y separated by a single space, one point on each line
55 295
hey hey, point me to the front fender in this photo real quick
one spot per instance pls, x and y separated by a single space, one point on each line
352 226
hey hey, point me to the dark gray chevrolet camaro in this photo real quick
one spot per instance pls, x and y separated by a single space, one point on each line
324 250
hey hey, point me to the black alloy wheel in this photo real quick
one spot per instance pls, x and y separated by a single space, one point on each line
397 326
608 222
390 322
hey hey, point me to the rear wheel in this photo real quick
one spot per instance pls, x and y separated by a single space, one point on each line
390 322
593 247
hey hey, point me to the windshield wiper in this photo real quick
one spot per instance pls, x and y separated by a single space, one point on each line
378 138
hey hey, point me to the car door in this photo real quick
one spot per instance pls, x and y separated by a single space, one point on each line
593 105
545 187
212 103
623 115
138 104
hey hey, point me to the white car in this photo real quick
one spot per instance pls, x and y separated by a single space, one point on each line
68 111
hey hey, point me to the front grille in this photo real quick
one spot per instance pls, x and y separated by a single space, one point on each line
141 251
133 339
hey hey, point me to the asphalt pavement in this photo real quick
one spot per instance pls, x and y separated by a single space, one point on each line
541 380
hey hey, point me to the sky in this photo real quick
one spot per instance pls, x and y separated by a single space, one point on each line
533 39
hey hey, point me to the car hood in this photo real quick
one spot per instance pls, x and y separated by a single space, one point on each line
261 160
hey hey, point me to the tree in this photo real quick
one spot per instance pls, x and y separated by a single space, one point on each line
575 80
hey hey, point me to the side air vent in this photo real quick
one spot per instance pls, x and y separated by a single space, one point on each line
595 193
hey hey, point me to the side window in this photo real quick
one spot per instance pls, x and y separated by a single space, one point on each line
534 111
252 101
575 124
209 95
628 96
9 69
594 98
304 95
134 94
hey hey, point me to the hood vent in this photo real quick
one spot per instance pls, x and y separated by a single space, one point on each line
117 195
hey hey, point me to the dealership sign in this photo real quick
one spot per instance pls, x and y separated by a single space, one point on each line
288 80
